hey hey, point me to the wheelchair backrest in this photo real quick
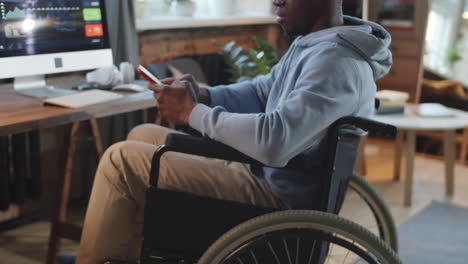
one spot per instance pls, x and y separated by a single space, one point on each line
342 143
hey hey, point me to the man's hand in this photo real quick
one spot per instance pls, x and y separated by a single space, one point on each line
176 100
201 92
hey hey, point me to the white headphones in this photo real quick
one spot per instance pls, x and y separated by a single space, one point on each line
112 75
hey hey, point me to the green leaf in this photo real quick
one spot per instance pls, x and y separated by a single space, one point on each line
260 55
240 61
271 57
229 46
235 53
253 53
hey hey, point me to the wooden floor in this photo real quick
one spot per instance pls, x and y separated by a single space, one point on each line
28 245
429 180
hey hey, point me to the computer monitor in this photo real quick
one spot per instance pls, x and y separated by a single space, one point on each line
40 37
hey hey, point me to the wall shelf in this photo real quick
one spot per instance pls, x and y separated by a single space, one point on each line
161 23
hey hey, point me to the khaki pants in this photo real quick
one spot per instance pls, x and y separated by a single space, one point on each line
113 223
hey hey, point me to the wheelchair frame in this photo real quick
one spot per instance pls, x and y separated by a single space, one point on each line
189 216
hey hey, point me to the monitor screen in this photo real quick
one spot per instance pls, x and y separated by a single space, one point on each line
31 27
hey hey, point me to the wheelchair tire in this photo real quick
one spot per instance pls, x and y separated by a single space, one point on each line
230 247
379 208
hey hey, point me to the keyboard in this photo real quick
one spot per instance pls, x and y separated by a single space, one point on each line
45 92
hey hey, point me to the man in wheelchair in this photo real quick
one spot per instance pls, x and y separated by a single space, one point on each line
328 72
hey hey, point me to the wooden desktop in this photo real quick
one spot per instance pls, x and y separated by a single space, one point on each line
19 113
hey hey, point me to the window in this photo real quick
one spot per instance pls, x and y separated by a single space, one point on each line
442 33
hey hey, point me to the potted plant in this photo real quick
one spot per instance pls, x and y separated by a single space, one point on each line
181 7
247 63
454 54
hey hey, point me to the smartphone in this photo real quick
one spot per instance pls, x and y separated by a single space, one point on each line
148 75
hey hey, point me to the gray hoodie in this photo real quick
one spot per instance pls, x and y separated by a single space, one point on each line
324 76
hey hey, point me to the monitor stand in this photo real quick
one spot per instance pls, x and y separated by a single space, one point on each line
35 86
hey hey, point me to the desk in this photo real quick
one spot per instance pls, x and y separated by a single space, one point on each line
408 124
19 113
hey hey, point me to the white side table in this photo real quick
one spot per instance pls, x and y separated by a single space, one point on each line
409 124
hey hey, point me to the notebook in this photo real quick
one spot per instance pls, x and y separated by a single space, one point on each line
82 99
434 110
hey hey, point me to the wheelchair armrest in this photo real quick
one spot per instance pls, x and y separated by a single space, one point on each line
199 146
377 128
206 147
213 149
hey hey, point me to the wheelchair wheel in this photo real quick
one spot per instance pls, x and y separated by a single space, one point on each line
291 237
364 202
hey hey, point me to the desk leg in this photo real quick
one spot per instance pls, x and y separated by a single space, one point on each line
410 149
60 211
398 155
97 138
60 229
464 147
449 154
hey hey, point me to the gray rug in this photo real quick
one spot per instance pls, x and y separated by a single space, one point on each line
437 235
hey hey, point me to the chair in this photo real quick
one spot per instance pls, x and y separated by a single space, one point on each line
452 94
179 227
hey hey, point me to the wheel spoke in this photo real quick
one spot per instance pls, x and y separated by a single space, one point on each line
274 253
312 252
297 251
287 251
254 257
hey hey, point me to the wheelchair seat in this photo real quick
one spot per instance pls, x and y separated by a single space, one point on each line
179 227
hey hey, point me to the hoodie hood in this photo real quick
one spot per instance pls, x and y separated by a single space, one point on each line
368 39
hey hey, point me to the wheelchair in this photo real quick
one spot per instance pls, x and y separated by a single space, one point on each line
185 228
